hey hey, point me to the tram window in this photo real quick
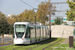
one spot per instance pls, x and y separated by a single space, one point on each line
27 33
41 32
38 32
32 30
19 34
19 30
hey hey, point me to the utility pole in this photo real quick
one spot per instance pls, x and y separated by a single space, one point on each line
50 20
50 15
35 21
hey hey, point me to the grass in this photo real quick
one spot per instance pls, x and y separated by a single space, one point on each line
41 45
65 47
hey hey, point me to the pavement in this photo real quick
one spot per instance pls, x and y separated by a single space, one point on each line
6 44
5 40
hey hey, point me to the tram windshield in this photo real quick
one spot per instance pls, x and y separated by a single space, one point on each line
20 29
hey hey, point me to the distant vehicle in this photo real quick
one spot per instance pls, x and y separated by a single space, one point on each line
27 33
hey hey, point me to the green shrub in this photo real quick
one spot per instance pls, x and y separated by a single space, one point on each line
58 21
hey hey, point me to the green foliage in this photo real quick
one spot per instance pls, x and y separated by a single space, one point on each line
43 11
58 21
74 0
25 16
71 13
11 21
28 15
53 23
11 30
4 26
74 19
41 45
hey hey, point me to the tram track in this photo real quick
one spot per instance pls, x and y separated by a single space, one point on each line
21 46
30 44
51 44
37 44
27 45
24 46
13 48
17 47
43 44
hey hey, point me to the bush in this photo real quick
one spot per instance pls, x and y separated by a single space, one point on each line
53 23
58 21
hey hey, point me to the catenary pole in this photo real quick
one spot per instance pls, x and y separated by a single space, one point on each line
50 5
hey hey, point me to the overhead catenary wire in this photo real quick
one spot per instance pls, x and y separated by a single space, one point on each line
40 1
26 3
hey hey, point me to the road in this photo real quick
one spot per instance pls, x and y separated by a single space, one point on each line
5 40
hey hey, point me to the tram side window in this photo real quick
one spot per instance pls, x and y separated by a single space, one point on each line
27 33
32 30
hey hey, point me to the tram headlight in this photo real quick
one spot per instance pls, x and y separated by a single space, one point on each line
22 38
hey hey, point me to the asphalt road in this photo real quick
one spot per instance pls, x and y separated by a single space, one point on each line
5 40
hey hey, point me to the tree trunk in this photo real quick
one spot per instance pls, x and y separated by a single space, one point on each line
2 38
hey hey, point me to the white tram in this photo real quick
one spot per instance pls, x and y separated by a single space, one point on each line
27 33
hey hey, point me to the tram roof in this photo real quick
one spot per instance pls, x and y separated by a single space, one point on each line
26 23
30 24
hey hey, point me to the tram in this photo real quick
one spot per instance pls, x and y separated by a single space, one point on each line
28 33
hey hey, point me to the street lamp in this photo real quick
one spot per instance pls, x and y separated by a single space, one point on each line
35 21
35 24
35 13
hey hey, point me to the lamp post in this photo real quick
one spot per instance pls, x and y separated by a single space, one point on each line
35 20
35 23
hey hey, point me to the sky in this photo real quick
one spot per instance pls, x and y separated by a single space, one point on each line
16 6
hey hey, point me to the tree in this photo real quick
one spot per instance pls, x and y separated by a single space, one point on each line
4 26
58 21
26 16
43 11
71 13
11 20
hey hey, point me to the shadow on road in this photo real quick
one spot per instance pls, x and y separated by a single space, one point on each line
39 43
